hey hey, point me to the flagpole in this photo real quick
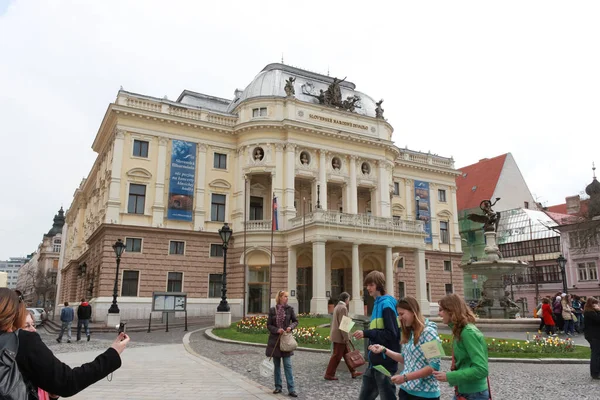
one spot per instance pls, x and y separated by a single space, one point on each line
245 225
304 220
273 225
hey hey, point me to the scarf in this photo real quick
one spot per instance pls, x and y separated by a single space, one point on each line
280 312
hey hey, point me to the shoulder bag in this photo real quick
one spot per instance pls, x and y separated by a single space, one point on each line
353 358
266 366
287 343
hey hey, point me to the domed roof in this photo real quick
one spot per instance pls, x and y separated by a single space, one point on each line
271 82
593 188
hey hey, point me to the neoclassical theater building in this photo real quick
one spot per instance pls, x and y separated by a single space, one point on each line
169 174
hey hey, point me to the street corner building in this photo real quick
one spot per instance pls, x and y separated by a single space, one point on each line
303 168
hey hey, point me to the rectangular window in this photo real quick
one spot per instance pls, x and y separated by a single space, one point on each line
215 282
174 282
259 112
220 161
256 208
426 264
56 246
526 204
130 283
428 292
582 272
449 288
592 271
442 195
401 290
444 237
396 189
217 212
216 250
140 148
176 247
137 199
447 265
133 245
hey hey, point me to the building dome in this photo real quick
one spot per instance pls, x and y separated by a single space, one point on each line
270 82
593 188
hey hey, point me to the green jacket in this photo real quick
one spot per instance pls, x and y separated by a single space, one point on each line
471 358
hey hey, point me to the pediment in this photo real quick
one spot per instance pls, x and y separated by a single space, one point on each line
398 208
444 213
139 173
220 184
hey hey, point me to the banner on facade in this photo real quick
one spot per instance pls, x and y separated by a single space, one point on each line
182 181
423 207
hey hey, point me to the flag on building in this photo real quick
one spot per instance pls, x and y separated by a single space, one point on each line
275 222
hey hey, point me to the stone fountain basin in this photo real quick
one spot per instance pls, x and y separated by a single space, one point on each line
496 267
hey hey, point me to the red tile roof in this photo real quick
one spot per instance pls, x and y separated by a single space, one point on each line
562 219
478 182
562 208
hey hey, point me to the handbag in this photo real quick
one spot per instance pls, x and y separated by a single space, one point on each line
287 343
353 358
266 367
458 396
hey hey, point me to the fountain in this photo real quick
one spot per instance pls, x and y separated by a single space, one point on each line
494 302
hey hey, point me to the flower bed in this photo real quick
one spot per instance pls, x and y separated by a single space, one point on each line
309 336
256 324
537 345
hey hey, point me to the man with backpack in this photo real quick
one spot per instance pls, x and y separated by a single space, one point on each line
84 313
66 316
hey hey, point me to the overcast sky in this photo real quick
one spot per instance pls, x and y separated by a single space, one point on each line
468 79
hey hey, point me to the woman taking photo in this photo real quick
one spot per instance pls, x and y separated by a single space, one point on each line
282 318
591 330
36 362
416 380
469 369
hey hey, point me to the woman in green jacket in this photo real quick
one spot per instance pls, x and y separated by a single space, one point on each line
469 370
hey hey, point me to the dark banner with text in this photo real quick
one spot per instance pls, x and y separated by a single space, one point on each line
182 181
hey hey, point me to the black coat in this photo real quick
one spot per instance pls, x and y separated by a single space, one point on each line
39 366
84 311
290 321
591 328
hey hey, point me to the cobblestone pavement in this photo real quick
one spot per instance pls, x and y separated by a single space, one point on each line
508 380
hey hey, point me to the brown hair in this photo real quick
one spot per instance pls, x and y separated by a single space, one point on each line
410 304
12 311
460 313
545 300
278 297
589 304
378 279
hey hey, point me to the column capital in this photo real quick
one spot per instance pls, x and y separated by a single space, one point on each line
279 146
165 141
291 147
323 152
408 181
119 133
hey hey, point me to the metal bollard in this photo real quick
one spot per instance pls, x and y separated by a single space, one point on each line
149 322
185 329
167 330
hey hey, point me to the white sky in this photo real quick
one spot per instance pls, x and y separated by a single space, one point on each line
469 79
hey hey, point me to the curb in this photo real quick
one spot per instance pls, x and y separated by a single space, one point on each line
208 333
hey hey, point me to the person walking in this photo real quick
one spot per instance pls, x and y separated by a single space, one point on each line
591 330
567 315
66 317
84 313
577 305
282 318
557 311
469 371
339 339
546 314
416 380
384 330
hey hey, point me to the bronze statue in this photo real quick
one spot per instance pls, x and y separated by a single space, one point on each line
350 103
289 86
379 110
490 218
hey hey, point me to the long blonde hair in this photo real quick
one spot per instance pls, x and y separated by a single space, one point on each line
280 294
410 304
460 313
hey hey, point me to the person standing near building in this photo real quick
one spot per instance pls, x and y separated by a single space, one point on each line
66 317
591 330
384 330
339 339
546 314
84 313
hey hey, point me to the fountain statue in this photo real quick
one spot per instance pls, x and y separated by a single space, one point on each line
494 302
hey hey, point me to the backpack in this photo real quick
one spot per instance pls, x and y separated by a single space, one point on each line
12 384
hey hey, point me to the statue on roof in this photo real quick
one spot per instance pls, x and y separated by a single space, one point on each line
490 218
289 86
379 110
333 95
350 103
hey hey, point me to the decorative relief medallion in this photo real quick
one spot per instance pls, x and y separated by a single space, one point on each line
301 113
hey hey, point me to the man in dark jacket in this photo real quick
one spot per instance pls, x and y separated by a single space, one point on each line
384 330
66 317
84 313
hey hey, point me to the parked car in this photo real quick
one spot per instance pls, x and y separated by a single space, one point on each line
37 316
43 313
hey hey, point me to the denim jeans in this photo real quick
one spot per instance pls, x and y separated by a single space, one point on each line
85 323
569 326
66 326
376 384
287 368
485 395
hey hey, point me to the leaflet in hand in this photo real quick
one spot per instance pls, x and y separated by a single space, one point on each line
346 324
382 369
433 349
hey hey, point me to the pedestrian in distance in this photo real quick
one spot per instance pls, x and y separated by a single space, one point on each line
282 318
567 315
383 330
66 317
84 314
546 314
339 339
557 311
591 330
416 379
36 363
469 370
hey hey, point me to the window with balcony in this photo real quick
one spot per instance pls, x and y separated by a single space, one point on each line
220 161
256 208
444 237
217 211
140 148
137 199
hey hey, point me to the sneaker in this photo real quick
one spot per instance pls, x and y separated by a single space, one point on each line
293 394
69 341
276 391
59 341
88 337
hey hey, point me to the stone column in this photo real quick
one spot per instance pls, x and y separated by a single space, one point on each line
357 306
323 178
352 190
278 175
113 209
289 211
384 189
158 209
421 280
199 210
457 242
389 271
408 189
292 273
318 303
374 204
239 181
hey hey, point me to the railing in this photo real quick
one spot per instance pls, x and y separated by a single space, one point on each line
143 104
185 113
359 221
259 225
422 158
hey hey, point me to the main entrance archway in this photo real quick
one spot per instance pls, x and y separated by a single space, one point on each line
304 282
258 282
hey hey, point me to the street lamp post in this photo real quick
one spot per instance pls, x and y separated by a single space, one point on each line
118 247
562 262
225 232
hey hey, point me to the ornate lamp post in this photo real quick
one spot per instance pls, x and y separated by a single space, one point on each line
118 247
561 261
225 232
